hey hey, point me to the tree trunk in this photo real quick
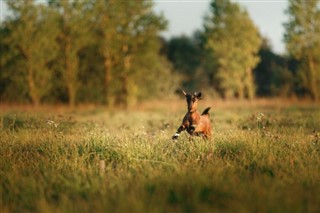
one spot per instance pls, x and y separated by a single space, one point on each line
249 86
124 90
32 88
107 80
312 79
241 91
72 95
70 75
124 79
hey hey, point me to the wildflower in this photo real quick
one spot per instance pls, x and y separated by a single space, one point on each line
260 116
52 123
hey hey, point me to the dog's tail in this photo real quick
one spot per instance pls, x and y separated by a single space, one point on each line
206 111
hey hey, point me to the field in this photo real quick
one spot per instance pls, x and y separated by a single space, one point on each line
263 157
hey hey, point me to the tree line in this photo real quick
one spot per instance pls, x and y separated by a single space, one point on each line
82 51
110 52
233 60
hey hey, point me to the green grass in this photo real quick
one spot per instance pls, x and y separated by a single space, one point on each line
260 159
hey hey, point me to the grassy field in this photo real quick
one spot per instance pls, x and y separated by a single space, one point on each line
262 158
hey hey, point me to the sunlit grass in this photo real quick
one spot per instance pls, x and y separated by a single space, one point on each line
259 159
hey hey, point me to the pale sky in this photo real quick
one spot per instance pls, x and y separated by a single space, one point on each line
186 16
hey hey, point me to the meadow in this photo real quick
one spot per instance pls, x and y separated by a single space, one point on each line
263 157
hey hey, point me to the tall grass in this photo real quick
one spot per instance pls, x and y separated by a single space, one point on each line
259 160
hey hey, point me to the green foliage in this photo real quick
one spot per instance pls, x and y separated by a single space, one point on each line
72 17
83 51
32 41
273 75
303 42
234 42
100 161
185 55
109 52
129 44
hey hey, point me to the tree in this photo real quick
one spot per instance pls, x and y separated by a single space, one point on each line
107 19
185 55
107 50
128 31
32 37
141 47
302 39
273 75
234 42
74 35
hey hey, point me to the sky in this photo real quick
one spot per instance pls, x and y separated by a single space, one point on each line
186 16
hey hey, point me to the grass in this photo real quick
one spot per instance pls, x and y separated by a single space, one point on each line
260 159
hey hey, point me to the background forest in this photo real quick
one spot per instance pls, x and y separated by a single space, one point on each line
111 52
